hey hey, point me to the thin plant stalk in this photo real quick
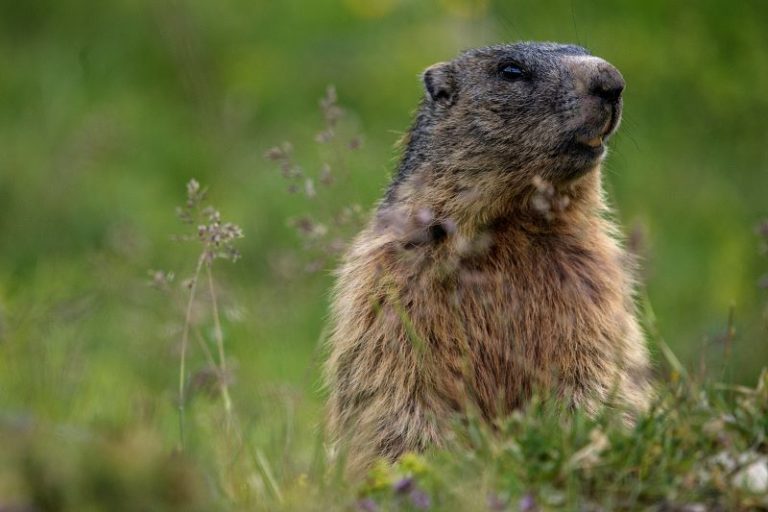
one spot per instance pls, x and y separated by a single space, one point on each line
184 343
219 335
206 351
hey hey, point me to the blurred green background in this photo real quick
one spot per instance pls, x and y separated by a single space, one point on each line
108 108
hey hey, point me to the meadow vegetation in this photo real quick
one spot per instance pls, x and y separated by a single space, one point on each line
153 359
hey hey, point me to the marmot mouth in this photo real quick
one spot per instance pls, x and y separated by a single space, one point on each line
595 140
594 144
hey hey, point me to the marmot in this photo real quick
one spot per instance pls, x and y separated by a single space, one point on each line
490 269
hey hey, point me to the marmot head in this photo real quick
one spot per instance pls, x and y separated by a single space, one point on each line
513 112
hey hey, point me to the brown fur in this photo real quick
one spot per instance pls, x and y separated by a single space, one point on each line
480 281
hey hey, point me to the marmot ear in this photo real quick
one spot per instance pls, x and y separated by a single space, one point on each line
440 83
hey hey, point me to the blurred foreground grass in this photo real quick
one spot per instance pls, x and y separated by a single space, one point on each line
703 447
109 108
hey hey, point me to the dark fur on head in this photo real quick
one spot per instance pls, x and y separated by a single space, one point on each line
474 119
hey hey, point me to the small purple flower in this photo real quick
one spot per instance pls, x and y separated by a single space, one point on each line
404 485
367 505
527 503
420 499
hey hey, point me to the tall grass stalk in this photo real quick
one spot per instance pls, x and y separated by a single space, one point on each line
184 343
218 333
217 239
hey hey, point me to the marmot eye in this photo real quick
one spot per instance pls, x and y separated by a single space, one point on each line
511 72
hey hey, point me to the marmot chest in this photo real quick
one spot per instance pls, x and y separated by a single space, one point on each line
535 294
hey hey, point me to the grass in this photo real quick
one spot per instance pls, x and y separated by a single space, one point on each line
702 447
694 451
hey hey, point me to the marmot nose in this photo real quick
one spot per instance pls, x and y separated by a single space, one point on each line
607 83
